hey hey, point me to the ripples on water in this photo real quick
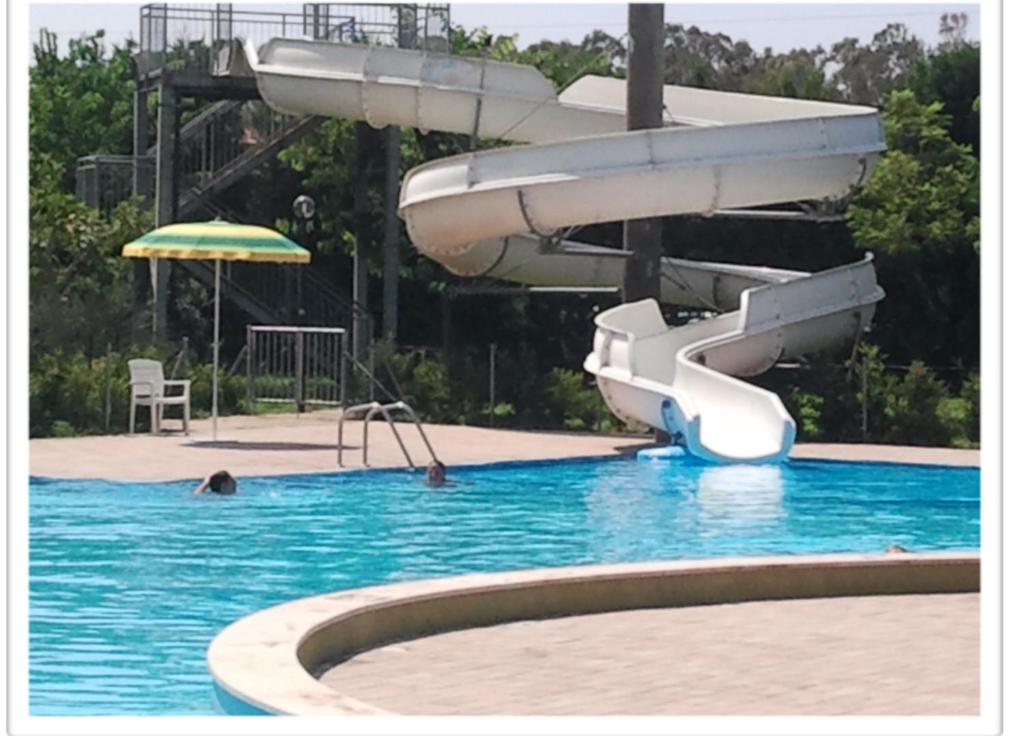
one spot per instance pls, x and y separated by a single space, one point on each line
130 582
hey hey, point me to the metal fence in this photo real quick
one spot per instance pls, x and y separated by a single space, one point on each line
103 181
305 366
181 36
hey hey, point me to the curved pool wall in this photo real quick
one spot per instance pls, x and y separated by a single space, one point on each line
268 663
129 583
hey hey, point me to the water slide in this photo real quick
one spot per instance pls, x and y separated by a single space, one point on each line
505 213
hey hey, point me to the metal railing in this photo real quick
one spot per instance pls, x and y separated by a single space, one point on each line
372 409
301 365
104 181
182 36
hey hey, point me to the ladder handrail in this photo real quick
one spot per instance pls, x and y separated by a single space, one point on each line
382 409
372 409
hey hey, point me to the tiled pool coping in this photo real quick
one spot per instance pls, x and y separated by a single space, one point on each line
268 661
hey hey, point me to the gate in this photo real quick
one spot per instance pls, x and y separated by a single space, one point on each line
305 366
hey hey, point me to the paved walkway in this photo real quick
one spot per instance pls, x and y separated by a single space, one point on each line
289 443
283 444
884 655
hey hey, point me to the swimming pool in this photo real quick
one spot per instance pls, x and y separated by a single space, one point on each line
130 582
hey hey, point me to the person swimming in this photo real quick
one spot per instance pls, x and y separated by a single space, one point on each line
220 482
436 475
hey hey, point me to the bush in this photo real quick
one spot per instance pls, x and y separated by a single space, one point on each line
232 392
961 415
911 409
68 393
808 414
573 405
426 384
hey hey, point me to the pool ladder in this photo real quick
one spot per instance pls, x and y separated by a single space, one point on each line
371 410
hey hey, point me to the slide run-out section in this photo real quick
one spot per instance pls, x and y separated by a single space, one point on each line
501 212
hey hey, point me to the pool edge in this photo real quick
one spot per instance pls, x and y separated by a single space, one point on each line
265 661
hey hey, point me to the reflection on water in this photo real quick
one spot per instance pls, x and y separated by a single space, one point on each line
704 502
740 493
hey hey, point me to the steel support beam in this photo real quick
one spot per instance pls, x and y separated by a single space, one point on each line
166 197
392 148
361 210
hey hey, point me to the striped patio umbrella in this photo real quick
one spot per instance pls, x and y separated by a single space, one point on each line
217 241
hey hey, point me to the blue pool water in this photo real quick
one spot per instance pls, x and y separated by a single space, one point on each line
130 582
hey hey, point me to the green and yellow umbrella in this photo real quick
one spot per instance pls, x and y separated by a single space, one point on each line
217 241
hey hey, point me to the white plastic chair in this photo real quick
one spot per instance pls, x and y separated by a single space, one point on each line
148 389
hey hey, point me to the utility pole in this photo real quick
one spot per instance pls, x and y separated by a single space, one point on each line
645 77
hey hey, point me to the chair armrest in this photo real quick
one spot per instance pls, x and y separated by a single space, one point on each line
185 384
151 384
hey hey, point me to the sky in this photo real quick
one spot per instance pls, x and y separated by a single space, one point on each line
779 26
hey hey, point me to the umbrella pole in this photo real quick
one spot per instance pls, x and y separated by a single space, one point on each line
216 339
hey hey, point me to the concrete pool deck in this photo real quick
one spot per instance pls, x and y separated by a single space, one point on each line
280 444
846 634
895 655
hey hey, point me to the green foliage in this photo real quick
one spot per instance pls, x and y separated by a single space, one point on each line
482 43
799 73
563 63
695 58
232 391
809 408
574 405
79 104
912 407
866 74
68 392
426 384
961 415
908 407
456 391
80 288
952 78
919 212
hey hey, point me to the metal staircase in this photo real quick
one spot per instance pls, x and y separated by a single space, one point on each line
182 48
280 294
221 145
213 159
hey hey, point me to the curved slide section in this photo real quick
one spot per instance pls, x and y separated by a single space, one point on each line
693 396
501 212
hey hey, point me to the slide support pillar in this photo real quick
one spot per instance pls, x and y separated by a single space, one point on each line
645 78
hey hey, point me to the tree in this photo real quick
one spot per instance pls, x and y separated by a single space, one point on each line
80 288
79 104
866 74
799 73
919 212
563 62
953 77
696 58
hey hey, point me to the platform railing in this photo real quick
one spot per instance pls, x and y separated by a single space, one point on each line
372 409
191 36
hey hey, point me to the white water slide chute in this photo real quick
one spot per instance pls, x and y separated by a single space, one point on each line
501 213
